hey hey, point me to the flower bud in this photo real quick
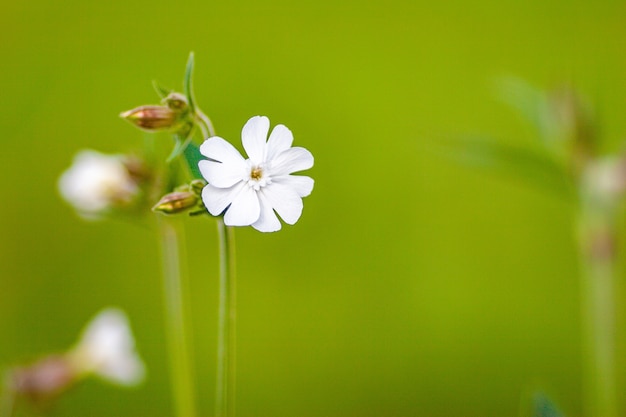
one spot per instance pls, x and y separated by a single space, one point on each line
152 118
197 186
44 380
176 101
177 202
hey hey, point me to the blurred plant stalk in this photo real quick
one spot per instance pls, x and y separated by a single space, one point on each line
598 310
601 191
565 161
174 286
226 346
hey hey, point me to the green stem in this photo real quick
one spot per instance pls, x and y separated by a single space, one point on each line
173 251
598 308
226 348
205 125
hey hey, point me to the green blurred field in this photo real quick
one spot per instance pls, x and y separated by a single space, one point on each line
411 286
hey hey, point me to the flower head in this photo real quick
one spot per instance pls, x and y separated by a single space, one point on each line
248 191
96 183
107 349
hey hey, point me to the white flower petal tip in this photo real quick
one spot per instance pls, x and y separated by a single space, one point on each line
250 192
96 183
107 349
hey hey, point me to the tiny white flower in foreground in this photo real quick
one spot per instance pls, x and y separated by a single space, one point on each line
107 349
97 182
251 189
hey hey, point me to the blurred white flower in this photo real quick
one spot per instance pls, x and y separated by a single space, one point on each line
605 179
107 349
251 189
97 182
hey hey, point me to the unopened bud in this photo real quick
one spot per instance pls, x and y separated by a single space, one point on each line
197 185
152 118
177 202
43 380
176 101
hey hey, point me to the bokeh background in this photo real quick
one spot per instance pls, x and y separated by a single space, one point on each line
411 286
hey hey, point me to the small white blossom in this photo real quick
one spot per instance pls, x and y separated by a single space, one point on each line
251 189
107 349
96 183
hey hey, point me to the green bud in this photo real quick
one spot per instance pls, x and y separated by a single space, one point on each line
197 185
176 101
177 202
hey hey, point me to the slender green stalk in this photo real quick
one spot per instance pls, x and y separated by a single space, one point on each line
226 348
173 251
598 242
205 125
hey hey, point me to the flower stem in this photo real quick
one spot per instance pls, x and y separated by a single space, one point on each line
205 125
598 245
173 251
225 386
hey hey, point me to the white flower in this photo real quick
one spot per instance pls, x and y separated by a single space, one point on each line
96 182
107 349
251 189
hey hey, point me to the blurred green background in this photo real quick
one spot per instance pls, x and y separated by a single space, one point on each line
411 286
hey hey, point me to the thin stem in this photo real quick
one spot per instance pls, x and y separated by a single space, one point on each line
205 125
598 307
226 348
173 251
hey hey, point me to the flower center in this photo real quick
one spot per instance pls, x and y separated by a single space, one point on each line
256 173
258 177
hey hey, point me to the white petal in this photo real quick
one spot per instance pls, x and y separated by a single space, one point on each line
220 150
299 183
292 160
280 140
223 175
254 137
284 200
217 199
128 371
245 208
268 222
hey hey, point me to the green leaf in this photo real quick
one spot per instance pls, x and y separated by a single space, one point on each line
533 104
188 83
160 90
544 407
537 167
179 147
193 156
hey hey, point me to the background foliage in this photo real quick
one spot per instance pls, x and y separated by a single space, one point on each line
411 285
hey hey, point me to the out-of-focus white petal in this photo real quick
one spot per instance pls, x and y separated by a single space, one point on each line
254 138
292 160
280 140
107 349
217 199
268 221
245 208
299 183
96 182
284 200
223 174
220 150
